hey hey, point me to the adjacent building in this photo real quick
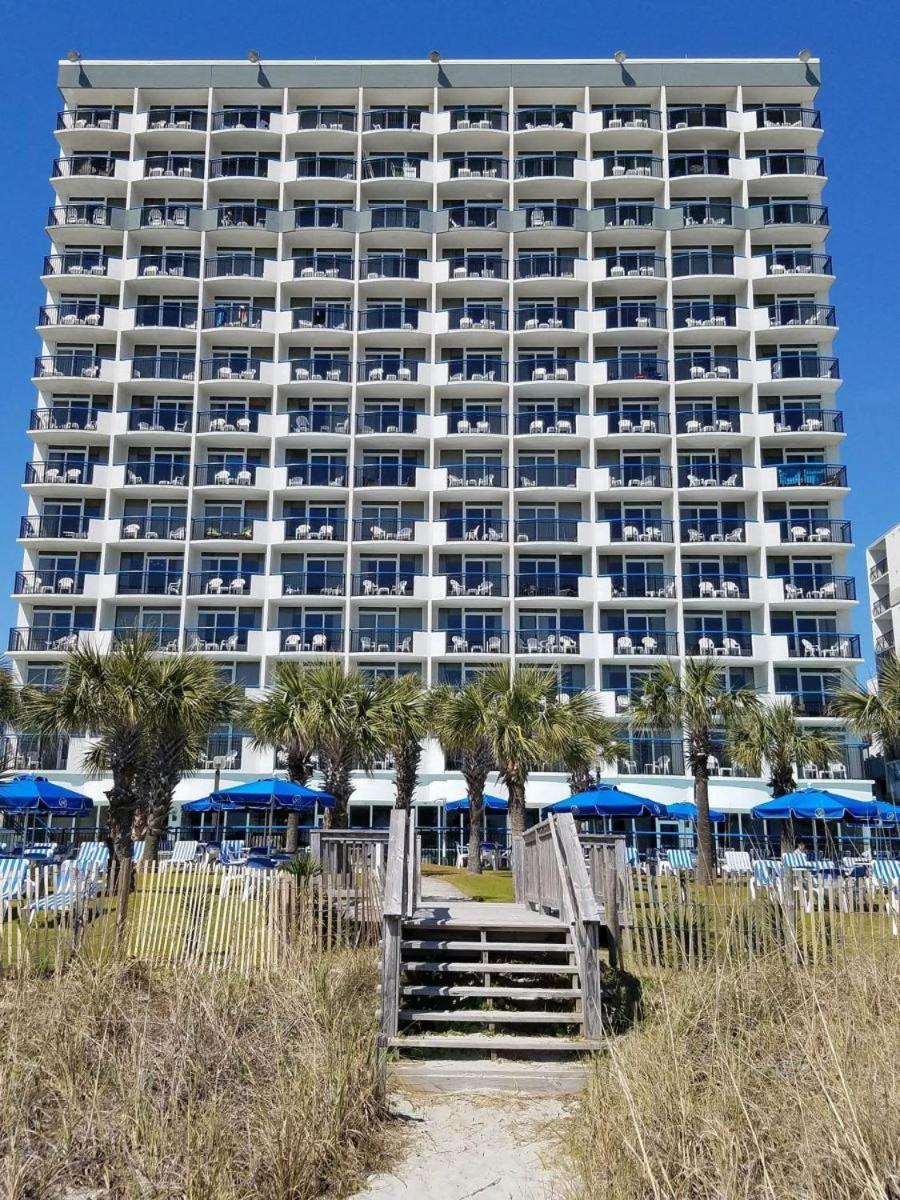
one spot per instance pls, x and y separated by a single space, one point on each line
432 365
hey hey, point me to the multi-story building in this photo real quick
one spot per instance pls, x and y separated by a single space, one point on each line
883 566
432 365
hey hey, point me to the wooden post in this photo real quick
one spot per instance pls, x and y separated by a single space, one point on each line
611 904
394 909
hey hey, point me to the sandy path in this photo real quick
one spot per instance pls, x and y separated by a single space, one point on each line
493 1147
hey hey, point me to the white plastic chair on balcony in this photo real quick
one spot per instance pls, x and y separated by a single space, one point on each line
237 586
463 426
292 642
649 644
244 477
732 646
66 584
458 645
131 530
214 586
319 642
706 645
631 533
810 649
223 476
624 645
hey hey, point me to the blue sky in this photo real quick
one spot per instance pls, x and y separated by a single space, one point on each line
858 43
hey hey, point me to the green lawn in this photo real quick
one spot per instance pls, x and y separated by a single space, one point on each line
489 885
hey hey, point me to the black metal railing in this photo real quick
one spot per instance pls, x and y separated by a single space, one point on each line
728 642
823 645
62 581
818 587
63 526
716 585
312 583
317 474
640 529
135 527
241 263
226 474
70 471
175 264
806 366
811 475
216 528
713 529
648 475
634 264
480 529
813 529
84 364
66 416
164 366
233 315
644 641
390 474
168 472
628 368
469 474
551 583
387 421
643 585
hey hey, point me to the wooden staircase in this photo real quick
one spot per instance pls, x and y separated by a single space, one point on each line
462 979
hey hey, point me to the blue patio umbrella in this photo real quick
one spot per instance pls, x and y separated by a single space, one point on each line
814 804
607 801
273 793
35 793
491 804
209 804
687 811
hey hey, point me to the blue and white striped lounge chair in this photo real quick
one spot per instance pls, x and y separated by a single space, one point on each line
797 860
233 852
92 856
183 853
72 885
41 851
886 871
632 858
13 873
682 860
737 862
137 851
764 874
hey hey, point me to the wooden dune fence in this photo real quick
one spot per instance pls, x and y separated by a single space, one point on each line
232 919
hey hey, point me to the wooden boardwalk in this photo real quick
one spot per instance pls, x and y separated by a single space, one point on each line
480 914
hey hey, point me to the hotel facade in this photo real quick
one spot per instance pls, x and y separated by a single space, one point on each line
431 365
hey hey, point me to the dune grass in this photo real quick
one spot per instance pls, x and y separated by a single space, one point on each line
489 885
178 1085
761 1081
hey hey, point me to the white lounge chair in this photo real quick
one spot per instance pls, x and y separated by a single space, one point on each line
737 862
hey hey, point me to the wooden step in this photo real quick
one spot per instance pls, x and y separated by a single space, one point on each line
428 924
493 1042
493 1016
480 968
506 993
499 947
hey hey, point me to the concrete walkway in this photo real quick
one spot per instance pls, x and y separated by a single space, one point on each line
497 1147
435 887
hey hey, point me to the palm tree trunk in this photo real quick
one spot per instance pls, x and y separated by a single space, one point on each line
706 857
299 769
475 769
339 784
515 785
122 805
406 773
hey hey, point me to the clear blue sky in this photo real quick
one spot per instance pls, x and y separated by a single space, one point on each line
859 44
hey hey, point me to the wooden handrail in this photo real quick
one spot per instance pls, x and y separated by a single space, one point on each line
401 898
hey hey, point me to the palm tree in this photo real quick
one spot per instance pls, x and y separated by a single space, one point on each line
9 700
404 718
527 724
335 714
774 736
698 703
280 721
595 743
110 695
191 700
460 718
874 715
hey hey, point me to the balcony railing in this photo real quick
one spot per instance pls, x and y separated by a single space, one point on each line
792 212
63 581
217 638
241 263
135 527
388 368
811 475
623 165
57 639
699 162
230 420
312 583
819 587
476 474
704 314
469 116
233 316
880 607
313 639
383 582
554 475
477 266
787 116
171 314
62 526
178 116
543 315
848 762
81 364
878 569
224 749
471 529
221 582
646 756
401 117
66 416
813 529
713 529
167 366
640 529
476 420
546 264
705 212
322 316
694 475
728 642
706 418
805 367
323 266
326 166
313 528
389 316
71 472
214 528
810 703
648 475
384 529
798 262
655 370
242 215
634 316
823 645
702 262
643 641
476 368
148 583
317 474
175 213
77 262
533 368
183 166
242 118
161 637
646 585
475 640
549 214
546 420
174 419
232 366
95 165
396 216
557 583
716 585
645 421
81 212
392 166
387 421
30 752
477 166
88 117
546 529
176 264
385 475
244 166
623 214
226 474
165 472
697 116
74 312
476 583
787 163
321 117
465 215
801 312
330 419
332 368
621 116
